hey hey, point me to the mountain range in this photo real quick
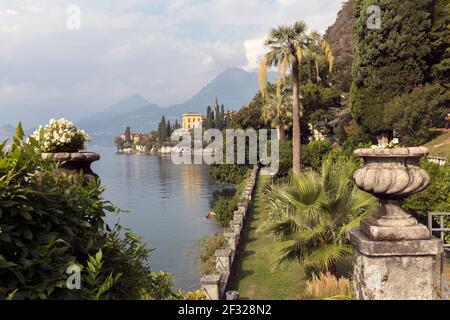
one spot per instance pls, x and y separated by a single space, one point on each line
234 88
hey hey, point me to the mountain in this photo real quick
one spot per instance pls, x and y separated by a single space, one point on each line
234 88
135 112
6 132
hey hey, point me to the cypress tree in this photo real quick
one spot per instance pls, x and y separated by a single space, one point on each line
169 128
389 61
162 130
222 115
128 135
217 120
209 118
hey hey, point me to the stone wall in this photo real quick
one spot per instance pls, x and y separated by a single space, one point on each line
216 284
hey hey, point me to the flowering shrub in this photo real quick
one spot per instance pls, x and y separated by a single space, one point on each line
394 143
60 136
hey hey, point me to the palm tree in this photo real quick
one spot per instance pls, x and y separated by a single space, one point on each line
311 214
286 44
318 51
277 109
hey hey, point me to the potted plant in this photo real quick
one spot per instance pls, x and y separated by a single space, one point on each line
61 141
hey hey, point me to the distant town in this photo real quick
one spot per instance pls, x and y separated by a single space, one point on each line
158 141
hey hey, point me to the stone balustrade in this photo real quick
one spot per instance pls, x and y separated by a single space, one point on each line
215 285
441 161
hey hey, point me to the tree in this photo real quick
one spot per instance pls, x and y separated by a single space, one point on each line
128 135
440 33
162 130
389 61
209 118
176 125
249 116
277 110
217 118
310 216
412 115
222 115
286 49
169 128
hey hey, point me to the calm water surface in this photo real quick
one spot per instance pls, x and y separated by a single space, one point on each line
167 206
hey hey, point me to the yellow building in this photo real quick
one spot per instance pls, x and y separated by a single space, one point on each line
192 120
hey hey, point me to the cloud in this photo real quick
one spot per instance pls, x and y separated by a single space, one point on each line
164 50
254 50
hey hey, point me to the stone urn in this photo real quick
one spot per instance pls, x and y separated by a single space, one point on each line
74 162
392 175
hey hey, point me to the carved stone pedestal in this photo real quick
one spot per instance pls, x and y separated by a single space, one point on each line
394 255
393 270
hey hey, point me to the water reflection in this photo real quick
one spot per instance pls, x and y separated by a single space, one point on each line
167 203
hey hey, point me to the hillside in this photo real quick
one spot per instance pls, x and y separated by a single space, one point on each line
234 88
340 38
440 146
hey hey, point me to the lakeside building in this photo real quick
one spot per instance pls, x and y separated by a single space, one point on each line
135 137
192 120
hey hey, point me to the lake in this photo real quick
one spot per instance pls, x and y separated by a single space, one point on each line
167 206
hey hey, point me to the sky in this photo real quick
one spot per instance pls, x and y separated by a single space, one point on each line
54 56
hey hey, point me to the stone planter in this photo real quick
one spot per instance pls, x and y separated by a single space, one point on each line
392 175
74 163
394 257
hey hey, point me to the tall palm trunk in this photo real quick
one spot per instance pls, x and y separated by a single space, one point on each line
296 167
318 78
282 132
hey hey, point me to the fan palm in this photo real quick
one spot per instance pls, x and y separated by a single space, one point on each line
310 216
286 45
277 109
319 51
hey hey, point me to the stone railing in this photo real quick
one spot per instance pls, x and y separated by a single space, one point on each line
216 284
437 160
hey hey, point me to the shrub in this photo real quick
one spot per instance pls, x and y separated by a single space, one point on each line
50 222
223 208
285 155
229 173
436 197
326 285
208 246
314 152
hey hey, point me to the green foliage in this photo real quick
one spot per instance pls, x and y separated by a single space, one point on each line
128 135
317 102
314 152
435 198
412 115
229 173
223 207
343 155
250 116
95 282
310 216
440 33
208 247
49 222
390 61
285 154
